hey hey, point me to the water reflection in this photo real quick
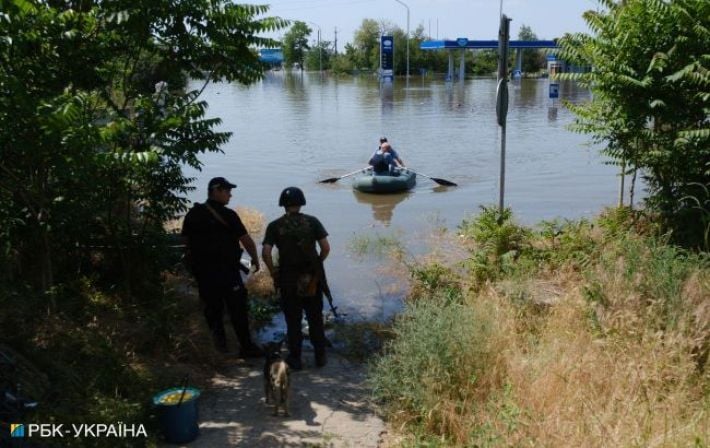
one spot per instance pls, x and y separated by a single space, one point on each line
456 97
387 96
382 204
552 113
294 83
440 188
530 94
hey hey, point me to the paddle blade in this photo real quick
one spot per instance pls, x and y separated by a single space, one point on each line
329 180
444 182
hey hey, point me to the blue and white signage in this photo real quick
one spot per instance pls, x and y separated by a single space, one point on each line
554 90
387 56
462 42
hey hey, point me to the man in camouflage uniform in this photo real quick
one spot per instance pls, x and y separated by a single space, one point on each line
299 275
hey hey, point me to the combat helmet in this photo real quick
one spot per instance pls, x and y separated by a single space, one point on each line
292 196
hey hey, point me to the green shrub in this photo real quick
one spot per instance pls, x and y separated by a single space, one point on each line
498 242
439 351
566 241
495 232
435 279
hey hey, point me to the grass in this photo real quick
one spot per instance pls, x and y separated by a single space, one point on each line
380 245
571 334
360 340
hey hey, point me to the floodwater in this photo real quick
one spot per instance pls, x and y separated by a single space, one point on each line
293 130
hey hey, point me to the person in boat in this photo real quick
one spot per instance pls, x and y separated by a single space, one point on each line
385 160
302 243
394 153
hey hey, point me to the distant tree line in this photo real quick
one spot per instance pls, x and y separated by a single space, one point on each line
362 54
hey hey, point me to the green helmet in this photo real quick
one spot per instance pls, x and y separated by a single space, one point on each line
292 196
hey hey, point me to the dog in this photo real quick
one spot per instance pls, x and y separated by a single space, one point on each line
276 378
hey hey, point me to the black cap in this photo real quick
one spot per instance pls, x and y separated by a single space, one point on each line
220 182
383 139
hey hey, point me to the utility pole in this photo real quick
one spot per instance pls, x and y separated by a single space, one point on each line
335 45
502 100
320 50
405 5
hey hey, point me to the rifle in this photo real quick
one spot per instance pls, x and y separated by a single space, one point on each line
326 291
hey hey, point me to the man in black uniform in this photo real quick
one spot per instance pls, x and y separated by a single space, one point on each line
213 233
299 275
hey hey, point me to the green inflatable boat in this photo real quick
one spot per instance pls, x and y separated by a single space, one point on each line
368 182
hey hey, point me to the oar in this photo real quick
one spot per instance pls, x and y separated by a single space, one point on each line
438 180
330 180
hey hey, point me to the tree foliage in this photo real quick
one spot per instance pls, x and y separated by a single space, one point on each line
533 59
650 81
90 152
366 43
295 44
363 52
319 56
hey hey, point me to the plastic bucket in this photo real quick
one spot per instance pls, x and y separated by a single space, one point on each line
177 414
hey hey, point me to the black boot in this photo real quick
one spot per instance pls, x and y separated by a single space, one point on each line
294 363
220 343
321 358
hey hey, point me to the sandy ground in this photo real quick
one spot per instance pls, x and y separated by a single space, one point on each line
329 408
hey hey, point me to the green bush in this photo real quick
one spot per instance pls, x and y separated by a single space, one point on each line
498 242
439 346
566 242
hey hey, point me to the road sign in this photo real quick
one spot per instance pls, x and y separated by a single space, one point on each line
502 101
387 53
554 90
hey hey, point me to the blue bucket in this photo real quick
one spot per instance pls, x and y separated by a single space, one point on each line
177 414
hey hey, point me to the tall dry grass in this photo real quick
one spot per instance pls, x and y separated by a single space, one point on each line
605 345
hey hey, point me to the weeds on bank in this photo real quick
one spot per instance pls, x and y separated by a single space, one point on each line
359 341
576 333
380 245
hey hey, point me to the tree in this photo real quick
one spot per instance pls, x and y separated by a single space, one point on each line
650 81
320 56
533 60
91 154
366 43
295 44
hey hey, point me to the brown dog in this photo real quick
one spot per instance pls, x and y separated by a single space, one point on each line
276 378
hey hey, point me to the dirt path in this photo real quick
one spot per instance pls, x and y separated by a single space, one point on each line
329 408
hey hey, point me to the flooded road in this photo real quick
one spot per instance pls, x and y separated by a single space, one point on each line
293 131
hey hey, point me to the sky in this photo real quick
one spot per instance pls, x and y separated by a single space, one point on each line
442 19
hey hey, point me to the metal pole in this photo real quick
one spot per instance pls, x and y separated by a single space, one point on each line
622 177
320 50
501 185
405 5
502 99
